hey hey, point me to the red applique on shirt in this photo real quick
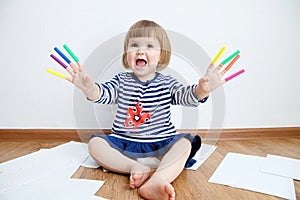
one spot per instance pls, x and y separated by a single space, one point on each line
136 116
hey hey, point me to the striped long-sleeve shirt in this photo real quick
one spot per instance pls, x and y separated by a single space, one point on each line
153 98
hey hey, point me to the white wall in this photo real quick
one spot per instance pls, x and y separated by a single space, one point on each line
265 31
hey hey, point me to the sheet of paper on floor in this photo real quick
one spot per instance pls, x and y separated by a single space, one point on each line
30 167
78 189
90 163
42 174
43 187
56 185
281 166
37 164
243 171
205 151
76 151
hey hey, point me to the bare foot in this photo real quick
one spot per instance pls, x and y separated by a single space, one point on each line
139 174
157 189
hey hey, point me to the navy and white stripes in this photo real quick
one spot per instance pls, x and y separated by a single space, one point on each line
155 96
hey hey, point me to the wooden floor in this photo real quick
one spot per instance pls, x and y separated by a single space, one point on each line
190 185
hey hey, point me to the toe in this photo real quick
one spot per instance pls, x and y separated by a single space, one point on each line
170 191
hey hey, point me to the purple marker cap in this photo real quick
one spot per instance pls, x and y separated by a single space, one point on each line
59 61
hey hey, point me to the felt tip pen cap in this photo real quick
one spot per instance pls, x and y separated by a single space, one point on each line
230 57
56 73
71 53
219 55
62 55
234 75
58 61
232 62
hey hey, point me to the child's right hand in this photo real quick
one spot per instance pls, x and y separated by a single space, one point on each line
82 81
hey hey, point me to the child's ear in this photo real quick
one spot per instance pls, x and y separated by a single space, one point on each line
124 61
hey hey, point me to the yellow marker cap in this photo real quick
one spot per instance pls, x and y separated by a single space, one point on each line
56 73
219 55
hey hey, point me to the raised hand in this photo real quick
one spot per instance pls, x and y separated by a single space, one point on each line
210 81
82 81
214 75
78 77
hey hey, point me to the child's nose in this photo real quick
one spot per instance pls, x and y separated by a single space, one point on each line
140 51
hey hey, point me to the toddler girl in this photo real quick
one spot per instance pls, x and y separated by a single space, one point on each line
142 127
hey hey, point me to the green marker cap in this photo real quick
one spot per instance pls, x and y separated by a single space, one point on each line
71 53
230 57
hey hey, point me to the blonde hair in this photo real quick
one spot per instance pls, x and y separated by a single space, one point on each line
146 28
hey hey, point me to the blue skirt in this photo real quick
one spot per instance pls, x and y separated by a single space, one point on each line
136 149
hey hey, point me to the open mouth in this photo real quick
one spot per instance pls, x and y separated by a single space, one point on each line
140 62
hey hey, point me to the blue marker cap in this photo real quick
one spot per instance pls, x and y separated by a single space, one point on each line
62 55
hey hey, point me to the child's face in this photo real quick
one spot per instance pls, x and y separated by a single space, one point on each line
143 55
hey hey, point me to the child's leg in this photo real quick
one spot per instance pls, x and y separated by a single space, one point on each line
113 160
158 186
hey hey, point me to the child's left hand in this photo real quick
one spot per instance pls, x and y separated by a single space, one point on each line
210 81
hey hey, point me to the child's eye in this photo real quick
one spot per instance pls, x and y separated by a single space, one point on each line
150 46
133 45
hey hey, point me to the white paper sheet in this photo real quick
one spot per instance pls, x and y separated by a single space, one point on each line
56 185
75 151
90 163
282 166
29 167
96 198
205 151
45 174
242 171
44 187
78 189
33 166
